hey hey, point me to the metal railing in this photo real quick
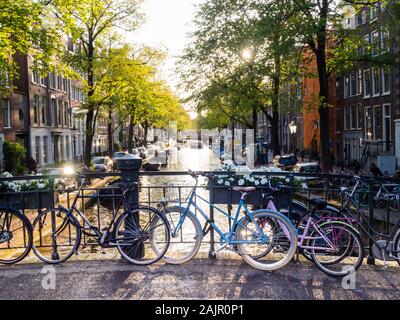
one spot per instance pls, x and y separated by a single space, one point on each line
97 203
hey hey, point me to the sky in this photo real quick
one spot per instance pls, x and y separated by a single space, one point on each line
166 26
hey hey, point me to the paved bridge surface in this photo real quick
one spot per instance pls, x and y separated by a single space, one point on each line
198 279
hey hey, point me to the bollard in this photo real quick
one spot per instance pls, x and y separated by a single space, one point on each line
370 259
212 235
129 167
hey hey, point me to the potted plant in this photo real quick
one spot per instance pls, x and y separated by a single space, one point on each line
26 194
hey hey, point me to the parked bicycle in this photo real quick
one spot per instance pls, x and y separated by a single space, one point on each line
386 246
58 231
15 235
334 246
255 233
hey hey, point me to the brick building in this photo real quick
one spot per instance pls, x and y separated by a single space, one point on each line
368 98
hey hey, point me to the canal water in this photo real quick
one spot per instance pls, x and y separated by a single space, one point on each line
175 189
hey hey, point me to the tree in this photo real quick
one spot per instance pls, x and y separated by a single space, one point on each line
238 63
26 27
318 25
91 22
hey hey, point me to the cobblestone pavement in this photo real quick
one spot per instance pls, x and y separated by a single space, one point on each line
198 279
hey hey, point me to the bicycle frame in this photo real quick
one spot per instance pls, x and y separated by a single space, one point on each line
303 237
236 221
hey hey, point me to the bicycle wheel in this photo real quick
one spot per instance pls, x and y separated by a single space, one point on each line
185 243
137 231
269 242
338 249
397 246
56 234
15 236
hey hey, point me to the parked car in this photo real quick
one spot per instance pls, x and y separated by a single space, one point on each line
285 162
307 167
103 164
118 155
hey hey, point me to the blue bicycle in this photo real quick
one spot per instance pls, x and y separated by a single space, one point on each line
266 239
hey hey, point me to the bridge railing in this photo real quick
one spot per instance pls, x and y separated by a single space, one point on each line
101 200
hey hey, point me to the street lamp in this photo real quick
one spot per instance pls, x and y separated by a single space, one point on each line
293 131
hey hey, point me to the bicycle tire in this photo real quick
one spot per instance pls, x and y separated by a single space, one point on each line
356 239
128 225
284 222
193 230
7 235
68 247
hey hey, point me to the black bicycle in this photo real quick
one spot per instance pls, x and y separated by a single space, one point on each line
135 233
15 235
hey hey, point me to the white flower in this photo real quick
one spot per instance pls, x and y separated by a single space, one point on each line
241 182
231 179
257 182
304 186
227 183
287 180
220 181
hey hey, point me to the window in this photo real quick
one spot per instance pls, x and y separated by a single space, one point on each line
359 116
346 87
36 110
53 80
358 82
43 81
376 83
54 111
378 132
386 122
62 147
374 43
353 84
65 84
366 44
373 13
60 112
37 150
347 122
363 16
45 150
44 111
6 113
59 83
385 40
35 75
368 123
367 83
385 80
66 113
353 117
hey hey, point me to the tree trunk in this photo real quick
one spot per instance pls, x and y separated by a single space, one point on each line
324 91
130 134
146 126
89 137
276 82
110 132
254 122
90 119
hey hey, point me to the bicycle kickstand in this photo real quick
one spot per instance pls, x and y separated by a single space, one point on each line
384 259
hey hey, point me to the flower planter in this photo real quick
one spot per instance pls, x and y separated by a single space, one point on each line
221 195
28 199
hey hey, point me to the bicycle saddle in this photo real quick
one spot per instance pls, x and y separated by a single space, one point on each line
244 189
318 203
